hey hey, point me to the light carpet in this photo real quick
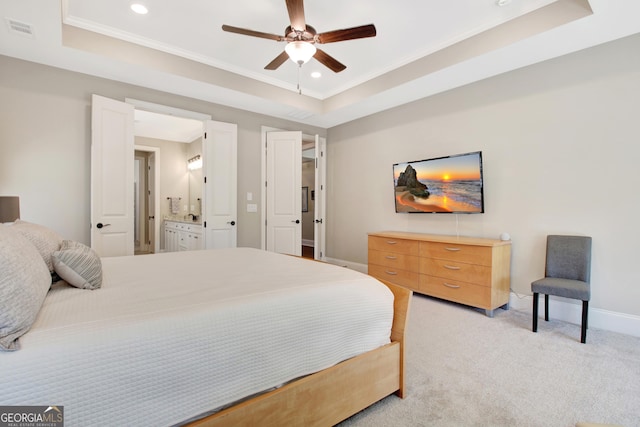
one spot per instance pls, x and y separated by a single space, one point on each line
465 369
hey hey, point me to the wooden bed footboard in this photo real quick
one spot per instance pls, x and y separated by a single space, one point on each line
327 397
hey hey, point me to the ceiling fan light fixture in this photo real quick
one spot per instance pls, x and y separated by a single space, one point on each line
139 8
300 52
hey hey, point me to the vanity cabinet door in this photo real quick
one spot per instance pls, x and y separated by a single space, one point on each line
180 236
171 236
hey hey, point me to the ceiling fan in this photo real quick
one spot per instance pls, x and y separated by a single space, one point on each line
302 38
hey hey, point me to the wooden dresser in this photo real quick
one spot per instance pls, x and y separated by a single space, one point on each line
467 270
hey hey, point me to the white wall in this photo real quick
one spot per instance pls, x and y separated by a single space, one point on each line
45 140
559 141
561 155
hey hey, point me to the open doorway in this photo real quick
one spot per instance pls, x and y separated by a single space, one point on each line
308 197
141 207
290 207
178 138
146 199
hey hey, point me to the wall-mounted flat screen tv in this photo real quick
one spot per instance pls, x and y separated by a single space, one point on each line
451 184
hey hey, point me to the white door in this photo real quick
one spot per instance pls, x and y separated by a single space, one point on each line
112 160
219 192
284 192
320 199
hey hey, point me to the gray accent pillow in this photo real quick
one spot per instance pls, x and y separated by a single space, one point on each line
24 283
78 265
44 239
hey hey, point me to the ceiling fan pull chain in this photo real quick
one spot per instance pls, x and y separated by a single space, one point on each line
299 90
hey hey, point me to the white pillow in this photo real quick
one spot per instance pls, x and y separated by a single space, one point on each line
24 282
44 239
78 265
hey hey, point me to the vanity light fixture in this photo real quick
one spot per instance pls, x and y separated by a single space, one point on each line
194 163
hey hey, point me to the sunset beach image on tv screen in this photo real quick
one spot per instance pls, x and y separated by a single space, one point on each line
452 184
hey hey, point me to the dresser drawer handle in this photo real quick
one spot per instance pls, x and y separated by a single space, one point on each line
451 267
391 273
391 242
449 285
453 249
391 257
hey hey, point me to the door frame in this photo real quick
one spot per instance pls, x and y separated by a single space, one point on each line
156 184
170 111
263 192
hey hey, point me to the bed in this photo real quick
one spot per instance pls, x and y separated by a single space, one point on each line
206 338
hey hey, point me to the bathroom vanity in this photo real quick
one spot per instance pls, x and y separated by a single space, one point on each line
182 235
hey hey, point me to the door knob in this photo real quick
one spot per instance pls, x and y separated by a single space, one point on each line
231 222
100 225
297 221
319 221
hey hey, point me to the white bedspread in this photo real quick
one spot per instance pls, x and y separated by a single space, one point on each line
171 336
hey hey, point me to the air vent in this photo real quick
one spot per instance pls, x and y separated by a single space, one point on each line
20 28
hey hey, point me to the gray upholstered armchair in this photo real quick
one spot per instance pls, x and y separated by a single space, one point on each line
567 274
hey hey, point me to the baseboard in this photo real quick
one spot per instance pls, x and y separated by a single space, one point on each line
571 311
559 308
363 268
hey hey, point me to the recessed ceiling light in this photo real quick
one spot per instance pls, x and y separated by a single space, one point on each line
139 8
503 2
316 74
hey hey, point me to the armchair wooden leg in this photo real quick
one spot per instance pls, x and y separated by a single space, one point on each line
585 318
535 312
546 307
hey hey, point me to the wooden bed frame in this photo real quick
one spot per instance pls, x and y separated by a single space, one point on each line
334 394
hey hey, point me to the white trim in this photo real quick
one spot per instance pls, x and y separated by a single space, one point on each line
308 242
559 308
348 264
569 311
165 109
306 140
156 173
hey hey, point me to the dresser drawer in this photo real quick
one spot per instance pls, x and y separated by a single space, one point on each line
457 252
395 260
388 244
468 270
453 290
470 273
408 279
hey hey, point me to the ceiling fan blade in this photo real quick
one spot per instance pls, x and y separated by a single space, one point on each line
278 61
296 14
347 34
329 61
245 32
